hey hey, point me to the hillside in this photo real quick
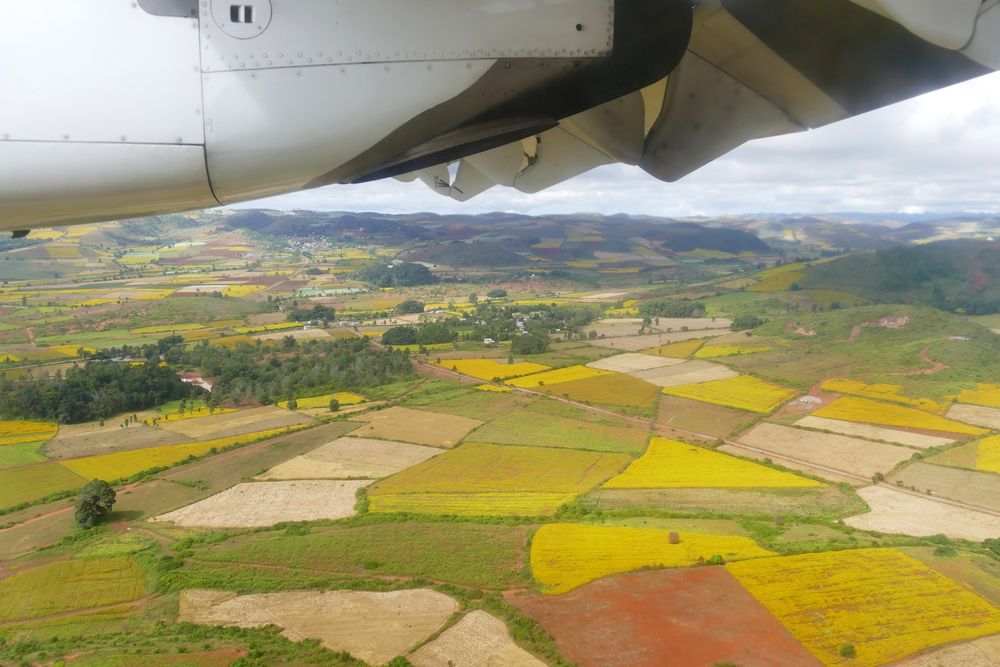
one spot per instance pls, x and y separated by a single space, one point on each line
960 276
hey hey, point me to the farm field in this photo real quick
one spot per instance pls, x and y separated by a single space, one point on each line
374 627
646 620
828 501
743 392
262 504
981 489
416 426
556 376
30 483
494 480
976 415
682 350
490 369
870 432
96 582
323 401
240 422
699 417
547 424
21 454
712 351
987 395
489 556
673 464
478 638
632 361
840 452
92 439
983 652
882 392
347 458
565 556
988 455
866 411
648 341
689 372
612 389
895 511
884 603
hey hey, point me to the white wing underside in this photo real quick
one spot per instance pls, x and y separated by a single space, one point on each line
730 88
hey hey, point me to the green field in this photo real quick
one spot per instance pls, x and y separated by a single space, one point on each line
466 554
31 483
12 456
551 424
42 591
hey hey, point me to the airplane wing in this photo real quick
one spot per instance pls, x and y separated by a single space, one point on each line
752 69
120 108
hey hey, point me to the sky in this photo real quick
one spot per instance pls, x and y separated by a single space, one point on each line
936 153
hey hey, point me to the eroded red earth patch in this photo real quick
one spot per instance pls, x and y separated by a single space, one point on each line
690 617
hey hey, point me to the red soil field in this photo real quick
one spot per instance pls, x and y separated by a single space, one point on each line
691 617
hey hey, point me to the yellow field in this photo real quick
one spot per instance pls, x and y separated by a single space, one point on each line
987 395
167 328
64 252
672 464
523 503
70 350
193 413
239 291
47 234
556 376
120 465
495 388
487 369
233 341
12 358
681 350
779 278
565 556
988 455
21 439
743 391
711 351
93 302
884 603
885 392
280 326
9 428
343 397
863 410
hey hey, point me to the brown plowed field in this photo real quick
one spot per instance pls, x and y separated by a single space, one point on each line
696 616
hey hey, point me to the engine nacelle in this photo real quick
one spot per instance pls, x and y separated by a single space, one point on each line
115 108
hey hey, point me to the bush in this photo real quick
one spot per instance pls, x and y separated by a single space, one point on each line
409 307
847 651
745 322
497 293
334 405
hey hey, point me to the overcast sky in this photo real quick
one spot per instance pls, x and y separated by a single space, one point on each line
936 153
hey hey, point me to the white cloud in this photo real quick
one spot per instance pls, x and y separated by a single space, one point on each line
938 152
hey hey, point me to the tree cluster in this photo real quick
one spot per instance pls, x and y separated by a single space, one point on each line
426 334
671 308
403 274
317 312
96 390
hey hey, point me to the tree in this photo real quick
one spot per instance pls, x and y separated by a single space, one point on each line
334 405
410 306
497 293
94 503
405 335
745 322
473 298
529 344
293 404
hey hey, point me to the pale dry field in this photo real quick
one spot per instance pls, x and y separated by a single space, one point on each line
968 486
822 473
872 432
235 423
983 652
262 504
375 627
975 414
688 372
850 455
895 511
478 640
91 439
630 362
423 428
646 341
352 457
297 334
